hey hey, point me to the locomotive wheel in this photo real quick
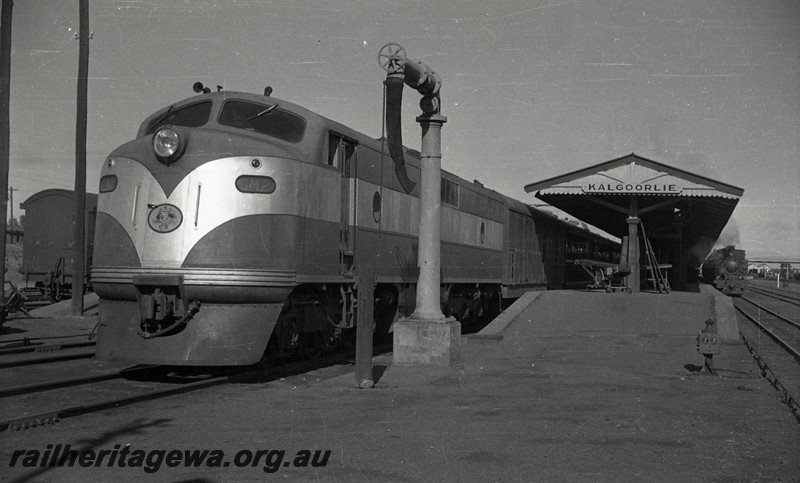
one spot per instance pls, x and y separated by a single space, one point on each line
312 345
490 307
462 313
480 311
285 338
385 310
267 361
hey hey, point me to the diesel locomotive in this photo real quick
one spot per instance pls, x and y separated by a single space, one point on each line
233 226
726 268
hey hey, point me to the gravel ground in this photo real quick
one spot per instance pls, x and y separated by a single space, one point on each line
583 387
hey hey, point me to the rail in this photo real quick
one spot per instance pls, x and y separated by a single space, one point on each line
53 353
251 375
778 363
782 343
782 295
768 374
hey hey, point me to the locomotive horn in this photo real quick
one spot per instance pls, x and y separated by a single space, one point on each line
268 91
198 88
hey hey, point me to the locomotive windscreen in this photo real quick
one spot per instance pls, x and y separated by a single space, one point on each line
263 119
193 115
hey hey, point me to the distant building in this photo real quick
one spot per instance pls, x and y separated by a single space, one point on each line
761 268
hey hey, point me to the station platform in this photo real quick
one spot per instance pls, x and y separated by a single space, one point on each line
570 386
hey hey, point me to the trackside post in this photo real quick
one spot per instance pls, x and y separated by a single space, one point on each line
365 326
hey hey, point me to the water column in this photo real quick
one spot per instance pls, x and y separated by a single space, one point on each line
426 337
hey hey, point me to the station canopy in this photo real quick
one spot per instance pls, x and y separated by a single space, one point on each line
672 203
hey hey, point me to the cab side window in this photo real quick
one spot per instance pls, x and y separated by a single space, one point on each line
340 150
333 149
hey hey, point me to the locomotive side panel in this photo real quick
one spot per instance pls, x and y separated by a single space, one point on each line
387 227
388 222
524 266
547 261
555 243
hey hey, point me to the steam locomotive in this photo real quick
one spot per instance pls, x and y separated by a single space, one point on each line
726 268
233 226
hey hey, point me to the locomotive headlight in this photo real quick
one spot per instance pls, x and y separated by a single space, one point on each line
167 144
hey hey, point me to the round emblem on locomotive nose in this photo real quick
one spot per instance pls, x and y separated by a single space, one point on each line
165 218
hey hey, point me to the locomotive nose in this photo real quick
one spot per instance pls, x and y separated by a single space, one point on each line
730 266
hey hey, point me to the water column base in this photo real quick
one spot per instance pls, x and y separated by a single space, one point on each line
427 342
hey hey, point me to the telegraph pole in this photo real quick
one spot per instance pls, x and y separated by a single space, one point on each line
11 191
5 128
79 265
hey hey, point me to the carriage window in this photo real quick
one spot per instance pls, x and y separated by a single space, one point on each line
263 119
449 192
578 248
193 115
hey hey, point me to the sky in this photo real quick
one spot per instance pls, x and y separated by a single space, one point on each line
531 89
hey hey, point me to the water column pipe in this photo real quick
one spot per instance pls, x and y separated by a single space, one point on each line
420 76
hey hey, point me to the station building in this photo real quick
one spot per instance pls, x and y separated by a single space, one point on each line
668 218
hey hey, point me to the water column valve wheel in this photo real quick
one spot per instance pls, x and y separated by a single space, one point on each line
415 73
392 58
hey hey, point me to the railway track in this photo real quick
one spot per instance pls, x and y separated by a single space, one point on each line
23 355
69 382
32 341
778 294
773 339
115 389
